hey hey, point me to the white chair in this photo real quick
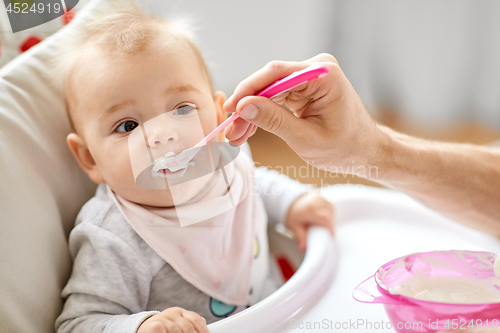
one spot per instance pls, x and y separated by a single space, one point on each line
296 297
41 192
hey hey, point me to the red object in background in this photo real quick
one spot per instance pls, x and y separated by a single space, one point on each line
29 42
68 16
286 268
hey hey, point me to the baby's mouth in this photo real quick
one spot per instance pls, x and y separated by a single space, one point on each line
172 165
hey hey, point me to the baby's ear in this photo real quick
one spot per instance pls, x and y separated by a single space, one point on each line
219 100
83 157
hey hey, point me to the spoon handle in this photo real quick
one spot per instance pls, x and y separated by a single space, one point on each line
278 87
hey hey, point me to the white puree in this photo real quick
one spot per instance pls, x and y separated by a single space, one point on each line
174 163
449 289
465 289
496 266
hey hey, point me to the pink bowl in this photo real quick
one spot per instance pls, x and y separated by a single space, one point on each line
409 314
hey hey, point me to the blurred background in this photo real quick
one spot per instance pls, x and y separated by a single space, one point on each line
427 68
423 67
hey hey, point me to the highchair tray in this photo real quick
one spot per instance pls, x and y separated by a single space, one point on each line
373 226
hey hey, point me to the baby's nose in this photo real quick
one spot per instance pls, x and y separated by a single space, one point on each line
158 142
162 137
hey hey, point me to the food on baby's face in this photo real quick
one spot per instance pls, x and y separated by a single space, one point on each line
172 165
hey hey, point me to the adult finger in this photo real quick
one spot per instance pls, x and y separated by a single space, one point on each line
271 117
270 73
237 129
248 133
323 57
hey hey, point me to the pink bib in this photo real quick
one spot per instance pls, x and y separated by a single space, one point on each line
213 250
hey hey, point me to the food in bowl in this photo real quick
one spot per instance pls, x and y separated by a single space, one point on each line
434 291
459 277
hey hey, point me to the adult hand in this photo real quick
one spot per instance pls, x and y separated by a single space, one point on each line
331 129
329 123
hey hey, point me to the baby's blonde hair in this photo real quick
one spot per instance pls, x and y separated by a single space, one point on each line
117 26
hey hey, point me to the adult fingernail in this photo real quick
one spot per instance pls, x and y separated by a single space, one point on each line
229 128
228 102
249 112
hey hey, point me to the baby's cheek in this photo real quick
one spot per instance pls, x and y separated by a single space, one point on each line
137 154
115 165
121 181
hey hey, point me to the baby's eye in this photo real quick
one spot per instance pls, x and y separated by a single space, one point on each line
127 126
184 110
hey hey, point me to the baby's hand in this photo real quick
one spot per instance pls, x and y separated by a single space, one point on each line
309 209
174 320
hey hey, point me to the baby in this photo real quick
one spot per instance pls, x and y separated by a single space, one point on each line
168 248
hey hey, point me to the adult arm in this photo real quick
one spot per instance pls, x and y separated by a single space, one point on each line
461 181
331 129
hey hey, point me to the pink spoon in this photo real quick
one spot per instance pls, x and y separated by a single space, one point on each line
291 81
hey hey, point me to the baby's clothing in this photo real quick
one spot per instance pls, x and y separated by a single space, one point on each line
207 240
118 280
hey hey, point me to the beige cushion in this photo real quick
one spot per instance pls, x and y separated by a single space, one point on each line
12 44
41 190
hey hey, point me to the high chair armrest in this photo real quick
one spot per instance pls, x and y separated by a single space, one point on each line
304 289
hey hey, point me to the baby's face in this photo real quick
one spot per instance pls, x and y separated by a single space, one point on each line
160 94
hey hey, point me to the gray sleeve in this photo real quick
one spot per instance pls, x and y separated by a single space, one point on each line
109 287
278 193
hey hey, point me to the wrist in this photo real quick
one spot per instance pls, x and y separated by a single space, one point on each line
391 153
140 328
402 161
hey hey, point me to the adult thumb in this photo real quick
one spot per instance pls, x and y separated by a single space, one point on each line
270 116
